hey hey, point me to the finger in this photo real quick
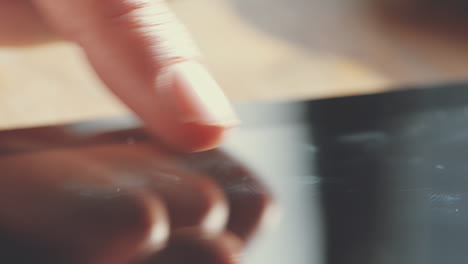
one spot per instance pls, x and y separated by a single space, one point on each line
145 56
72 209
250 201
196 248
192 200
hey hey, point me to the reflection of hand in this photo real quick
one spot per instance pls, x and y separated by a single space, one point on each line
126 204
142 53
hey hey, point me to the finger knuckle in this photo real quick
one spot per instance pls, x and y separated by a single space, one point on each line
213 209
126 223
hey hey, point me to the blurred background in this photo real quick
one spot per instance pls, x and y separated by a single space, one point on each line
262 50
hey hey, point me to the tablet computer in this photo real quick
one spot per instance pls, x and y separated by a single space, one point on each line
371 179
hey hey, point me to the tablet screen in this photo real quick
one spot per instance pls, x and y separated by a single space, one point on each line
370 179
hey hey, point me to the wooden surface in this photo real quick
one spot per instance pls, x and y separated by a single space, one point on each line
258 50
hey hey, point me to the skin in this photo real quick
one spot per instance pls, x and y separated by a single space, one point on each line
111 203
143 55
101 199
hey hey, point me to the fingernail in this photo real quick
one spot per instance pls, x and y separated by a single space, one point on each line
191 95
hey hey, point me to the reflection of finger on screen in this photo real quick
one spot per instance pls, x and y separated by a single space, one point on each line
249 199
69 206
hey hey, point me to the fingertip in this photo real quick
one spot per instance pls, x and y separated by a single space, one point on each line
197 112
191 94
189 137
201 137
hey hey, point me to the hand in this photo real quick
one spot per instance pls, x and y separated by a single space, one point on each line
142 53
99 201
